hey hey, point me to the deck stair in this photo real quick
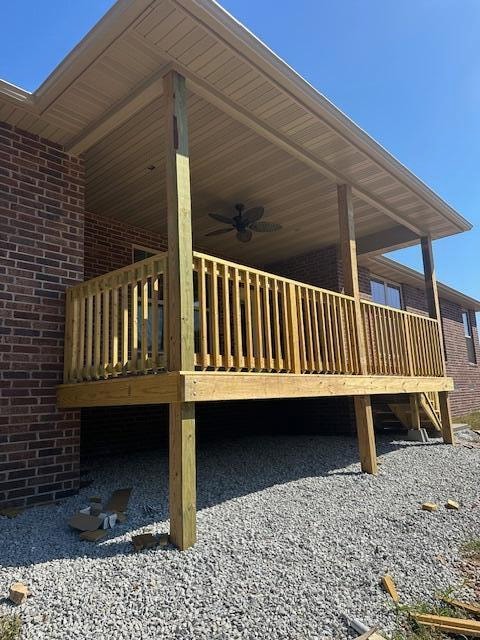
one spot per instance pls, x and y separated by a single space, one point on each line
393 412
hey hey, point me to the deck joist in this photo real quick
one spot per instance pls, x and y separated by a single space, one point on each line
193 386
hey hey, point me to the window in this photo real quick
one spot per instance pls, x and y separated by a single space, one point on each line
387 293
140 253
467 328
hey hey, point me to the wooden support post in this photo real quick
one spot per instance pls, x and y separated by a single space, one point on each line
366 434
415 411
182 474
180 310
348 249
180 252
445 416
433 303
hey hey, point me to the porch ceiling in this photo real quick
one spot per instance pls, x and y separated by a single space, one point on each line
230 163
282 143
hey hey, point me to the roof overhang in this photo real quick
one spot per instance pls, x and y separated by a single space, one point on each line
115 73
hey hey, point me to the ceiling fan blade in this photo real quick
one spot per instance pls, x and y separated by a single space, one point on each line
265 226
252 215
244 236
221 218
219 232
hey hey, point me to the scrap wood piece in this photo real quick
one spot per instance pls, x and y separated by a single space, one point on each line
93 536
84 522
368 634
429 506
149 541
363 629
471 607
452 504
18 593
389 586
11 512
450 625
119 500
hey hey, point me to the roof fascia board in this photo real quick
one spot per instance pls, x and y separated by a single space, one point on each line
220 22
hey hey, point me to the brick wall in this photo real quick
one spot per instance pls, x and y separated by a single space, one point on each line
41 246
466 396
109 243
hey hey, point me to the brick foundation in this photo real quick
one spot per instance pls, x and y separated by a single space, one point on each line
41 244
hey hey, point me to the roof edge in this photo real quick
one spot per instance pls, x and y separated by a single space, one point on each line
470 303
342 123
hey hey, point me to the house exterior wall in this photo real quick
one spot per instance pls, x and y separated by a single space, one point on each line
466 396
41 243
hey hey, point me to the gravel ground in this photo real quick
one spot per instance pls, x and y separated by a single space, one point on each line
291 536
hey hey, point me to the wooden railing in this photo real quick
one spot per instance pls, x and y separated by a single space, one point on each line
115 324
253 320
244 320
400 343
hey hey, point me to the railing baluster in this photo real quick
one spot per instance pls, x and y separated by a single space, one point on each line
202 311
106 333
258 323
250 361
134 316
237 322
301 330
268 325
144 320
227 340
155 322
214 315
81 348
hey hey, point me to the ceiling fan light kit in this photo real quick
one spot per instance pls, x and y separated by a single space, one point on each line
244 223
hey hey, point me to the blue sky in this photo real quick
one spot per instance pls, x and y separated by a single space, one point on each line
407 72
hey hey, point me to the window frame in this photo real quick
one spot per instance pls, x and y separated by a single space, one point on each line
469 340
139 247
385 282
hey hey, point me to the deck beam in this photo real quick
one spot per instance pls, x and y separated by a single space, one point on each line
203 386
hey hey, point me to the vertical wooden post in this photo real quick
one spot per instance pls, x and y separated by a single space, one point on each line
366 434
415 411
433 304
180 310
348 249
182 490
445 417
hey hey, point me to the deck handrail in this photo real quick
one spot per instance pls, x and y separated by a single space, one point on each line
245 319
401 342
116 322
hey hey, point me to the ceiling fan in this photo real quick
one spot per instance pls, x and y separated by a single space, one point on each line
244 223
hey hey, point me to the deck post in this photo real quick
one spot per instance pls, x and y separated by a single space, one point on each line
433 303
348 249
180 310
366 434
415 422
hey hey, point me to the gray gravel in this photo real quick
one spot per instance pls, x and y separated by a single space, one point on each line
291 536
